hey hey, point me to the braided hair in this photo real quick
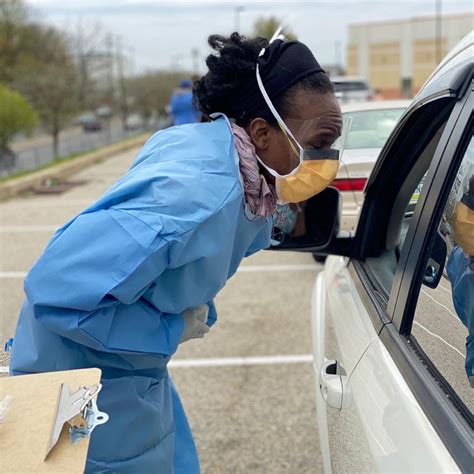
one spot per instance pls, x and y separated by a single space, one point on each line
231 67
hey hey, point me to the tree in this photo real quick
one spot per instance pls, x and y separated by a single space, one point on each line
42 69
13 17
16 115
53 94
266 27
151 92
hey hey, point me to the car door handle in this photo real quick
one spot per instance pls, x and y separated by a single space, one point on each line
334 385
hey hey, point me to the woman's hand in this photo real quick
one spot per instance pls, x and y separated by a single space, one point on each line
195 323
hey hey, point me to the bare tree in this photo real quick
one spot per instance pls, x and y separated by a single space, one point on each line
88 45
13 17
46 75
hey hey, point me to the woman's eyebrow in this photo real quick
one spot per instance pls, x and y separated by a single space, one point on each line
330 132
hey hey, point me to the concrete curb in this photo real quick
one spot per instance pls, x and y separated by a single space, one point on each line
20 185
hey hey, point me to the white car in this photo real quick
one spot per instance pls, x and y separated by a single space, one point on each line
391 363
352 89
371 125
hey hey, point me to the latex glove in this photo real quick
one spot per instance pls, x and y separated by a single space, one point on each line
195 323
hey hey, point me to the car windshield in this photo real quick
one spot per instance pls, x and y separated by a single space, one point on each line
371 128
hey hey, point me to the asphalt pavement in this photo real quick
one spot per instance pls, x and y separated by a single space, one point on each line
248 386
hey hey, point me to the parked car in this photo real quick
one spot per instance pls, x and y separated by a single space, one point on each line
134 122
352 89
90 122
392 391
371 125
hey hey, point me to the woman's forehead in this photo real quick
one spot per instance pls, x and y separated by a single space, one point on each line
307 104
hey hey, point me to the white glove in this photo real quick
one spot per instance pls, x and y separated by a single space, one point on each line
195 323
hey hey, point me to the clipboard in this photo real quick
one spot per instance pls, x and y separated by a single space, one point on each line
27 431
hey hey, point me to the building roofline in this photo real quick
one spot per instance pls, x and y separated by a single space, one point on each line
409 19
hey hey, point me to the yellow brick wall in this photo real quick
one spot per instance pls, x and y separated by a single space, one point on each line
384 65
424 59
352 61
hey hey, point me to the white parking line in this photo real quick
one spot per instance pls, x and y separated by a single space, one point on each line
232 361
242 361
13 275
23 229
439 337
440 304
242 269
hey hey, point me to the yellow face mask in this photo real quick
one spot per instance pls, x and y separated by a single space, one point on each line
463 225
315 173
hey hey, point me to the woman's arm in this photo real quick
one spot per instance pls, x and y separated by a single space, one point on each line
87 285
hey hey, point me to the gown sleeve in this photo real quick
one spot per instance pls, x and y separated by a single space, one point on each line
87 285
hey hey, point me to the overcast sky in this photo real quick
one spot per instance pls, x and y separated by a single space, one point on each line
161 34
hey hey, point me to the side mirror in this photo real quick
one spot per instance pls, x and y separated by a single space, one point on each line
435 264
321 217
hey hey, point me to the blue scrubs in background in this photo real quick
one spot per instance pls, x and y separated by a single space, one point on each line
462 282
110 288
182 107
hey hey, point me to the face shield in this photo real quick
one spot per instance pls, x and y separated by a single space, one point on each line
314 160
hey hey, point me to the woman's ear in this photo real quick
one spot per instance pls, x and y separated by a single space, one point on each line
259 132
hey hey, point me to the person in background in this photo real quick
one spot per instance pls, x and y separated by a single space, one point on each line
460 270
182 104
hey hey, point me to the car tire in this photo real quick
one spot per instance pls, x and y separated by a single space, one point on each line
319 258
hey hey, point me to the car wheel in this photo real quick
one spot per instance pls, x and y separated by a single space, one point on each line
319 258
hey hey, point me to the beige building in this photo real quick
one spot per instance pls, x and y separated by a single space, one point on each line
398 56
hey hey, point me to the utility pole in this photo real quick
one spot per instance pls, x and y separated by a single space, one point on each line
438 34
337 54
121 83
109 58
195 59
237 11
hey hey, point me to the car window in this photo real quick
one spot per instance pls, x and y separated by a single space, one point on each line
383 268
443 324
371 128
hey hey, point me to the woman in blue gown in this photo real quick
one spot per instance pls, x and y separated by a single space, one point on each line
123 283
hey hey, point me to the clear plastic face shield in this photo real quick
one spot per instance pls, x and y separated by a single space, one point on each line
316 145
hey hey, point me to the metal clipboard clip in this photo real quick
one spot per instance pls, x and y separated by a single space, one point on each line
80 411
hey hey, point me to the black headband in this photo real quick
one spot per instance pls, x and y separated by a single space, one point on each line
283 64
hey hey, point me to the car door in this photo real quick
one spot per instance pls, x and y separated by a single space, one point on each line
381 419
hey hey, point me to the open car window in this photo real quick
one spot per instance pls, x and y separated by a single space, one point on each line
383 267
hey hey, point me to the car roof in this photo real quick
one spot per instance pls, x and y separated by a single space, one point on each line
375 105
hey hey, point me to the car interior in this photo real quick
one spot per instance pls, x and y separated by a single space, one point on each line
383 266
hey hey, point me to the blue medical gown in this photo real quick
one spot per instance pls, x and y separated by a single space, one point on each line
462 283
111 285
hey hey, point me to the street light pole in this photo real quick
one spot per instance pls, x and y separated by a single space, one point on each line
438 22
237 11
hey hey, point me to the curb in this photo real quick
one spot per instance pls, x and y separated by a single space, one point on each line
20 185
